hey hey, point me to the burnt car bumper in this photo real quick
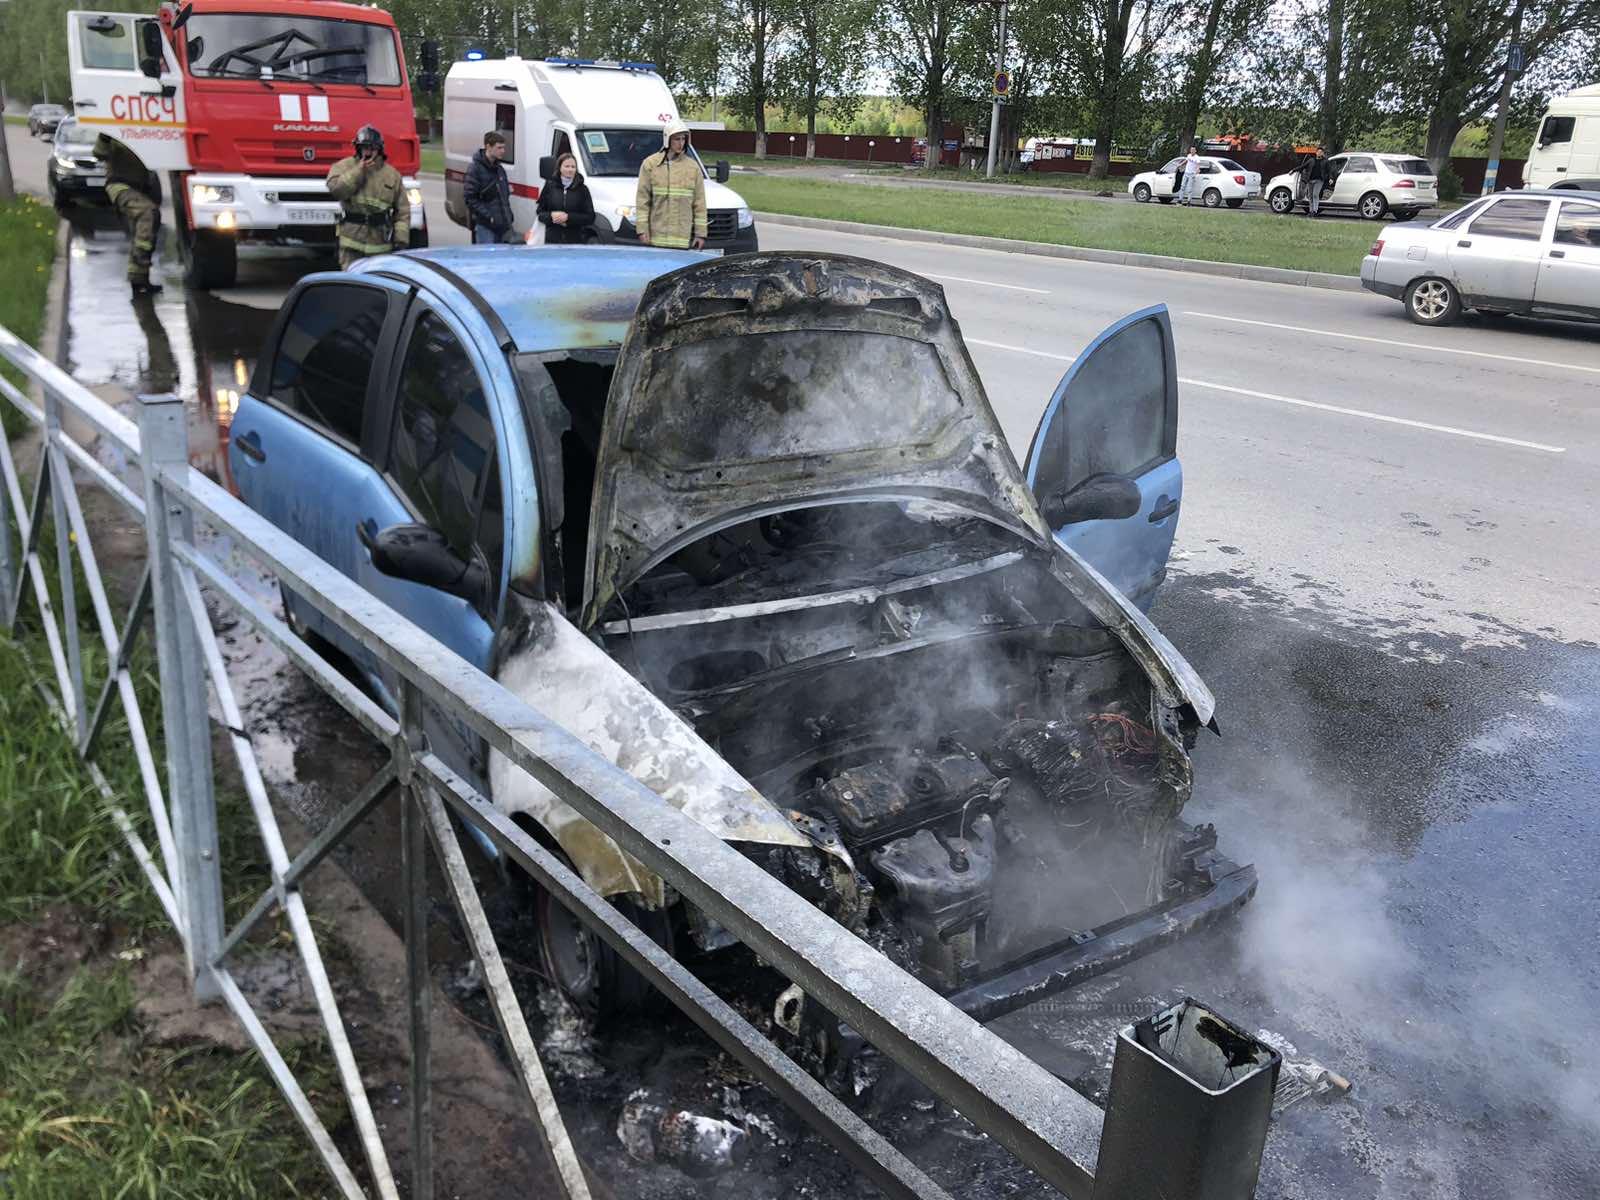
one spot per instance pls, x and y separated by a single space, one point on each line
1205 889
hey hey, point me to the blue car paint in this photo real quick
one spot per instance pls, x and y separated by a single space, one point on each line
551 299
1132 552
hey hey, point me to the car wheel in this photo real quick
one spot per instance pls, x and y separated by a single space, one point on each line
1281 201
1212 198
1236 203
1372 206
1432 301
1141 193
212 260
586 970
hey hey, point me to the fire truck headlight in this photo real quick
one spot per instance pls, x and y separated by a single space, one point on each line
205 193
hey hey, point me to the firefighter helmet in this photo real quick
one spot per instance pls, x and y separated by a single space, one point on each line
368 135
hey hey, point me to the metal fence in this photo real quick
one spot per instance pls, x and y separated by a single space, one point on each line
1050 1127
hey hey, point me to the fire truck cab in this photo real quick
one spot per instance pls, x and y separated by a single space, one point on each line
243 106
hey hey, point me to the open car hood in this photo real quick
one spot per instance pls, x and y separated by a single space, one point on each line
761 382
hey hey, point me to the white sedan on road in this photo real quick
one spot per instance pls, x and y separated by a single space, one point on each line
1221 181
1535 253
1372 185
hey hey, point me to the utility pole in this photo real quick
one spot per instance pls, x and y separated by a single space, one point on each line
8 191
1514 67
1002 83
44 79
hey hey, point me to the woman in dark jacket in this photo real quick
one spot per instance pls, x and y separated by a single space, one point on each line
565 209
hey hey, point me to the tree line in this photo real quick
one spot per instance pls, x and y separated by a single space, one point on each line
1136 74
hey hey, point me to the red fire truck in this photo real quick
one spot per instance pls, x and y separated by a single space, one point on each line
242 106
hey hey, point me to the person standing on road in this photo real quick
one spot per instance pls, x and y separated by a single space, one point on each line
565 208
128 185
670 205
488 192
377 214
1316 176
1191 173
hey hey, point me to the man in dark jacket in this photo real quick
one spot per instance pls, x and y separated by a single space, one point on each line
129 187
1316 176
488 192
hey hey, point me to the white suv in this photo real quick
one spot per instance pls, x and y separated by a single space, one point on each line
1371 184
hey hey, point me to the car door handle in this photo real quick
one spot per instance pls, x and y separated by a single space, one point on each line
1558 254
1165 511
367 531
87 103
1463 242
250 446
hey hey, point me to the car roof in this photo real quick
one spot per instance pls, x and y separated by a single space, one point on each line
546 299
1553 194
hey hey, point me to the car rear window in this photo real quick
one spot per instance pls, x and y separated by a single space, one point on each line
1409 166
1578 225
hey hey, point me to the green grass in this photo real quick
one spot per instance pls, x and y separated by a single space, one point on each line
27 248
433 160
87 1107
1065 181
1221 235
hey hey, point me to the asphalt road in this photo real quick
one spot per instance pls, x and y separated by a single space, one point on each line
1386 568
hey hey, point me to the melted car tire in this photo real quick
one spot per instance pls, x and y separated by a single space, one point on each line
589 972
1432 301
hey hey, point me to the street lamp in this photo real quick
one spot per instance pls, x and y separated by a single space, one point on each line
791 145
870 145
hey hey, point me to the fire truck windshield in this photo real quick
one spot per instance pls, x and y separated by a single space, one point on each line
257 45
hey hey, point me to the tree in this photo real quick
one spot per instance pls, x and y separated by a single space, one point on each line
759 27
681 37
1459 54
1111 49
823 64
916 40
1215 31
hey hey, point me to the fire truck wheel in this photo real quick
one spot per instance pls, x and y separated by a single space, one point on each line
213 260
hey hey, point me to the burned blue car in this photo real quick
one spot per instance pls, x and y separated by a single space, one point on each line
749 529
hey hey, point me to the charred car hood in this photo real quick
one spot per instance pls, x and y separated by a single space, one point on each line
770 381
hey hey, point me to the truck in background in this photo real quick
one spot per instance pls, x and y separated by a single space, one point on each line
244 105
1566 150
610 115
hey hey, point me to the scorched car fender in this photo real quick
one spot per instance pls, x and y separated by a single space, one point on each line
557 670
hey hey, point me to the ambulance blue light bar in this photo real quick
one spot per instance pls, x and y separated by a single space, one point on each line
605 63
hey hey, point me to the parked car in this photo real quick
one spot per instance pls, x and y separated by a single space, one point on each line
43 119
748 527
1373 185
1222 181
74 174
1530 252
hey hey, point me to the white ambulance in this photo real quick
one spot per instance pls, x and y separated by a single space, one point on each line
609 114
1566 150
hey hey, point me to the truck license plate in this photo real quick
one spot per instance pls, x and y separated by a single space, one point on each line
313 216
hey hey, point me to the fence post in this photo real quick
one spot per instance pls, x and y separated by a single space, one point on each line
55 462
9 576
185 719
414 867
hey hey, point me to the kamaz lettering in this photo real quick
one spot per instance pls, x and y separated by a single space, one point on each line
305 129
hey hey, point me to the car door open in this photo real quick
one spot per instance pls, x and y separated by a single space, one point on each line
1104 461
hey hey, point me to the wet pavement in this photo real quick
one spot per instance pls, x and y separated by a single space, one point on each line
1421 809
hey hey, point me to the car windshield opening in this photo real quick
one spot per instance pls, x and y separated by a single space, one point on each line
251 45
620 151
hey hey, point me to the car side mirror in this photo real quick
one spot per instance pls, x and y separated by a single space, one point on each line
419 554
724 172
547 167
1103 497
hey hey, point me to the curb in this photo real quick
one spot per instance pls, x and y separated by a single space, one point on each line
1121 258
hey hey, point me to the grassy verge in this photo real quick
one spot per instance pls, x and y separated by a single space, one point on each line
27 248
88 1106
1064 181
433 160
1221 235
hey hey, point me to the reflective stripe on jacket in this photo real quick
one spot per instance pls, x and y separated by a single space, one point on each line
671 200
377 211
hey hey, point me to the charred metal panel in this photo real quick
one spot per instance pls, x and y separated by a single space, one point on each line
778 380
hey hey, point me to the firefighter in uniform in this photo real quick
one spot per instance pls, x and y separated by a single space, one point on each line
377 213
670 202
128 186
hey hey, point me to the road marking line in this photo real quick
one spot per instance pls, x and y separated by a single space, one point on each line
1010 287
1357 337
1333 408
1373 416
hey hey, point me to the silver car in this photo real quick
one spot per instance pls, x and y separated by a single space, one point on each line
1534 253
